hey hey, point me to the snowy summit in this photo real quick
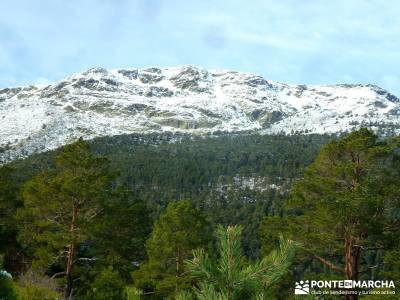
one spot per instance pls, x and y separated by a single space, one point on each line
188 99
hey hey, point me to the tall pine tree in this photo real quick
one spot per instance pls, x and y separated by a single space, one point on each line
180 229
11 253
60 205
346 205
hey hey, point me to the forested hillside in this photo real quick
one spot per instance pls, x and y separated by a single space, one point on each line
122 215
236 179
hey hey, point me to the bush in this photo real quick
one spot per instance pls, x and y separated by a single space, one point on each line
108 285
34 286
37 292
133 293
7 288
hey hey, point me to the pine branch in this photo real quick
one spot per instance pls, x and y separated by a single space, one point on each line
57 274
328 263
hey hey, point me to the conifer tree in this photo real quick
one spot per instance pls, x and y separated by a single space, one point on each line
60 205
108 285
180 229
231 277
10 250
346 205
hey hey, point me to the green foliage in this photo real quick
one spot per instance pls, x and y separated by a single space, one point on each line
50 197
211 171
392 264
36 286
10 250
7 287
232 277
72 210
184 295
60 206
37 292
117 241
122 184
133 293
108 285
179 230
132 219
344 207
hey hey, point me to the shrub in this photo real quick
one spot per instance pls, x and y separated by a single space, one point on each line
37 292
7 287
33 286
108 285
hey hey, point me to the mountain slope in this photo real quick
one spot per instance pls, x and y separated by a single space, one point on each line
186 99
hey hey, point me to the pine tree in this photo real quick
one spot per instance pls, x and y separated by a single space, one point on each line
231 277
60 205
10 250
346 204
119 239
180 229
108 285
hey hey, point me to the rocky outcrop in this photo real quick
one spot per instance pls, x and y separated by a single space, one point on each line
187 100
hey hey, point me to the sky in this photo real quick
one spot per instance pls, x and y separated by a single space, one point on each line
292 41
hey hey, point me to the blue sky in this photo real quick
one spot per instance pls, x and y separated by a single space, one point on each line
294 41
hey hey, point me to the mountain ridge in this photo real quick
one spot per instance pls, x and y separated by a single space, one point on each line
183 99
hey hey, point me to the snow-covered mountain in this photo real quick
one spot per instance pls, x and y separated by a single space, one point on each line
102 102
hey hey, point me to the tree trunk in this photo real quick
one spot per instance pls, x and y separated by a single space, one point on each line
352 261
178 261
70 256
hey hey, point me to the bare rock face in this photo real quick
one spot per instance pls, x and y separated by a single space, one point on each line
150 75
266 117
185 99
190 78
130 74
156 91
